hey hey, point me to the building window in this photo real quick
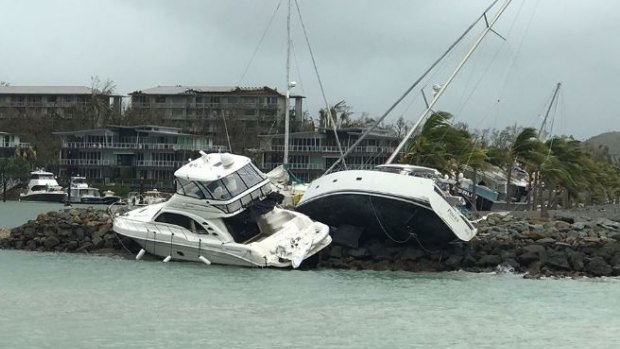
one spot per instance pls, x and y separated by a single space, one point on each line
160 99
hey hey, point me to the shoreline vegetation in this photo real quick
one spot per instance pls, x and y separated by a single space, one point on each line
581 242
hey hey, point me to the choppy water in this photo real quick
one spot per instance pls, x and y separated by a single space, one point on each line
50 300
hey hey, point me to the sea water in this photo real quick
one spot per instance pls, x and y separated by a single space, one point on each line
60 300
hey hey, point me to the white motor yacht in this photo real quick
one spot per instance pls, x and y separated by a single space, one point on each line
43 186
224 212
81 192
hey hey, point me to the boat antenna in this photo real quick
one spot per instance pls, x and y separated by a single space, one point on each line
389 110
447 83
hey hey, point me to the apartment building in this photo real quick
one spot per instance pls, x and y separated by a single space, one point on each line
228 114
9 143
312 153
52 101
130 153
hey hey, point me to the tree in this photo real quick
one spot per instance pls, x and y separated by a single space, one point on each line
100 100
14 167
340 114
400 127
527 148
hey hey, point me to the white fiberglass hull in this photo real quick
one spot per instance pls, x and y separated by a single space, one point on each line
296 241
402 207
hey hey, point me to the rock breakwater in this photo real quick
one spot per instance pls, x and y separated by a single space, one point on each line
567 245
70 230
557 247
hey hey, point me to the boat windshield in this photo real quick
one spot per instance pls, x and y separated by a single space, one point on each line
79 181
42 176
222 189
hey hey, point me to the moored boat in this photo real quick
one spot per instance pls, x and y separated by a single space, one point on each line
224 212
42 186
81 192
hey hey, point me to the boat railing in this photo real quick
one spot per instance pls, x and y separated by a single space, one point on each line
154 229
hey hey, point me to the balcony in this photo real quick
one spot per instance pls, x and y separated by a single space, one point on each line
160 163
32 104
331 149
134 146
86 162
191 105
14 145
295 166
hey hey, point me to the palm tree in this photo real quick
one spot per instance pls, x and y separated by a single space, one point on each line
525 148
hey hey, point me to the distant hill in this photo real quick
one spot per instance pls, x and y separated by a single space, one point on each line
609 140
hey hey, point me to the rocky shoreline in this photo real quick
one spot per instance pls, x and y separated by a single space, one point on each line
570 244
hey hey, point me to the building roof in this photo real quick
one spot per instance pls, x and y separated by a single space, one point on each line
182 89
154 129
45 90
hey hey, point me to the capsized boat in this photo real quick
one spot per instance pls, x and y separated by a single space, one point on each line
380 203
385 204
224 211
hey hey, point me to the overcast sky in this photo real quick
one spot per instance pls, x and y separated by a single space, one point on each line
368 53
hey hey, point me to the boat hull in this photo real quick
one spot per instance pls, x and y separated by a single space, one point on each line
49 197
399 219
286 239
403 208
98 200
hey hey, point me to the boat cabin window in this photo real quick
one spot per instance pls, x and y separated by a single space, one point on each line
189 188
250 175
182 221
78 181
39 187
41 176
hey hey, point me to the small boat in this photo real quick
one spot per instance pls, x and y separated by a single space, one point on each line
148 197
291 188
81 192
42 186
224 211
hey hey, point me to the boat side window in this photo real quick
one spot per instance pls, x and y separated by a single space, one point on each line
198 228
176 219
38 187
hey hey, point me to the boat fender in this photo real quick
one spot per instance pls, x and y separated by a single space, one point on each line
140 254
204 260
167 259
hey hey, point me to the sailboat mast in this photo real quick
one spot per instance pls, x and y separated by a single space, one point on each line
288 84
544 123
447 83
